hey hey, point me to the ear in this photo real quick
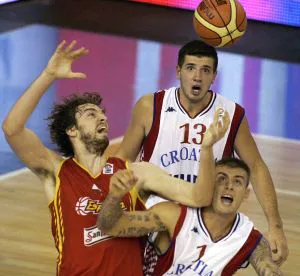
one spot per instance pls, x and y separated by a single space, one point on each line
247 193
178 70
72 131
214 77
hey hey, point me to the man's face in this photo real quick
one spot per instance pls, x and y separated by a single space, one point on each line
92 127
230 189
196 76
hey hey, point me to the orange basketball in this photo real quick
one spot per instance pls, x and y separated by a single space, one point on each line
220 22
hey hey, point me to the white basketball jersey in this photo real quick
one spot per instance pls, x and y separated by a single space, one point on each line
192 251
174 141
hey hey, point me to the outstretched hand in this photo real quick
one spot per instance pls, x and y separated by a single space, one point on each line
122 182
217 129
60 64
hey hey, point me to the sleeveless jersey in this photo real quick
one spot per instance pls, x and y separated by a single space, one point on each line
83 249
192 251
174 140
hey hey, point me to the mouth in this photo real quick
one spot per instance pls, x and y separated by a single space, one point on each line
226 199
102 129
196 89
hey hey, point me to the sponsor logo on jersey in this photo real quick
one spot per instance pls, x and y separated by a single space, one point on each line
93 235
96 188
195 230
108 169
170 109
86 205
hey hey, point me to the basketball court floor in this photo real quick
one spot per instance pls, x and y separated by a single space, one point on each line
27 247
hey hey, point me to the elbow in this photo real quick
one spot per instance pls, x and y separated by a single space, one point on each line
8 128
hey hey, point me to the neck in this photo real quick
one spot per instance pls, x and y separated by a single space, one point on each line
194 107
218 225
90 161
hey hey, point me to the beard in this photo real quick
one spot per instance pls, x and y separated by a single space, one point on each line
94 145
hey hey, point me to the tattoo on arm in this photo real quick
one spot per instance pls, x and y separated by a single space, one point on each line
113 220
261 260
144 224
110 213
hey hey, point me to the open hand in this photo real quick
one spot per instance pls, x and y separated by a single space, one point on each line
60 64
217 129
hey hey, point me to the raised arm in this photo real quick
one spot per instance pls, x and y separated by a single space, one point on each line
157 181
23 141
264 189
139 125
116 222
262 262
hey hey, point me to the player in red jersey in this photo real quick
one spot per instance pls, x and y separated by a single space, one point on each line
76 186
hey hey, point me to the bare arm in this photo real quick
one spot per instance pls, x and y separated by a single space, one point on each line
264 189
155 180
23 141
261 260
116 222
137 130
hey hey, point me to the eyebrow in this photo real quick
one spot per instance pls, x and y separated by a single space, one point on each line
81 112
194 64
237 176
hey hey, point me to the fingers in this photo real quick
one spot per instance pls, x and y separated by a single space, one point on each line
70 47
60 46
69 50
278 246
221 121
78 53
77 75
122 181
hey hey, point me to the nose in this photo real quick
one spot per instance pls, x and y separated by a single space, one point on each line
197 75
229 185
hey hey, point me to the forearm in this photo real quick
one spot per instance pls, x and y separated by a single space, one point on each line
264 188
23 108
109 214
204 186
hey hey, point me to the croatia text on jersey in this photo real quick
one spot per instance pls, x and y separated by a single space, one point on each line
197 268
176 156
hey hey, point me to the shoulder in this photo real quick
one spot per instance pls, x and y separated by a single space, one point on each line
146 100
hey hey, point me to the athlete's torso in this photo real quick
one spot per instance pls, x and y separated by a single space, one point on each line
192 251
174 140
83 249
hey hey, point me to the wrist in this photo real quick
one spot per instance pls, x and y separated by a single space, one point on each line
49 75
276 225
206 147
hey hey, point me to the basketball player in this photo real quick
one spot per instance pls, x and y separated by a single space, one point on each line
213 240
168 126
76 186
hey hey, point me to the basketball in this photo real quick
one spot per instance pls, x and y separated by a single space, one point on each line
220 23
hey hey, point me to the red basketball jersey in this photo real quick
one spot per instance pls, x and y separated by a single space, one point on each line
82 248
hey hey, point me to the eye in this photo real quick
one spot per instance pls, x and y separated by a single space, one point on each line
91 114
206 70
221 179
190 67
238 182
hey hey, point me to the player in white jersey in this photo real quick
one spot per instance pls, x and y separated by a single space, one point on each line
168 126
214 240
